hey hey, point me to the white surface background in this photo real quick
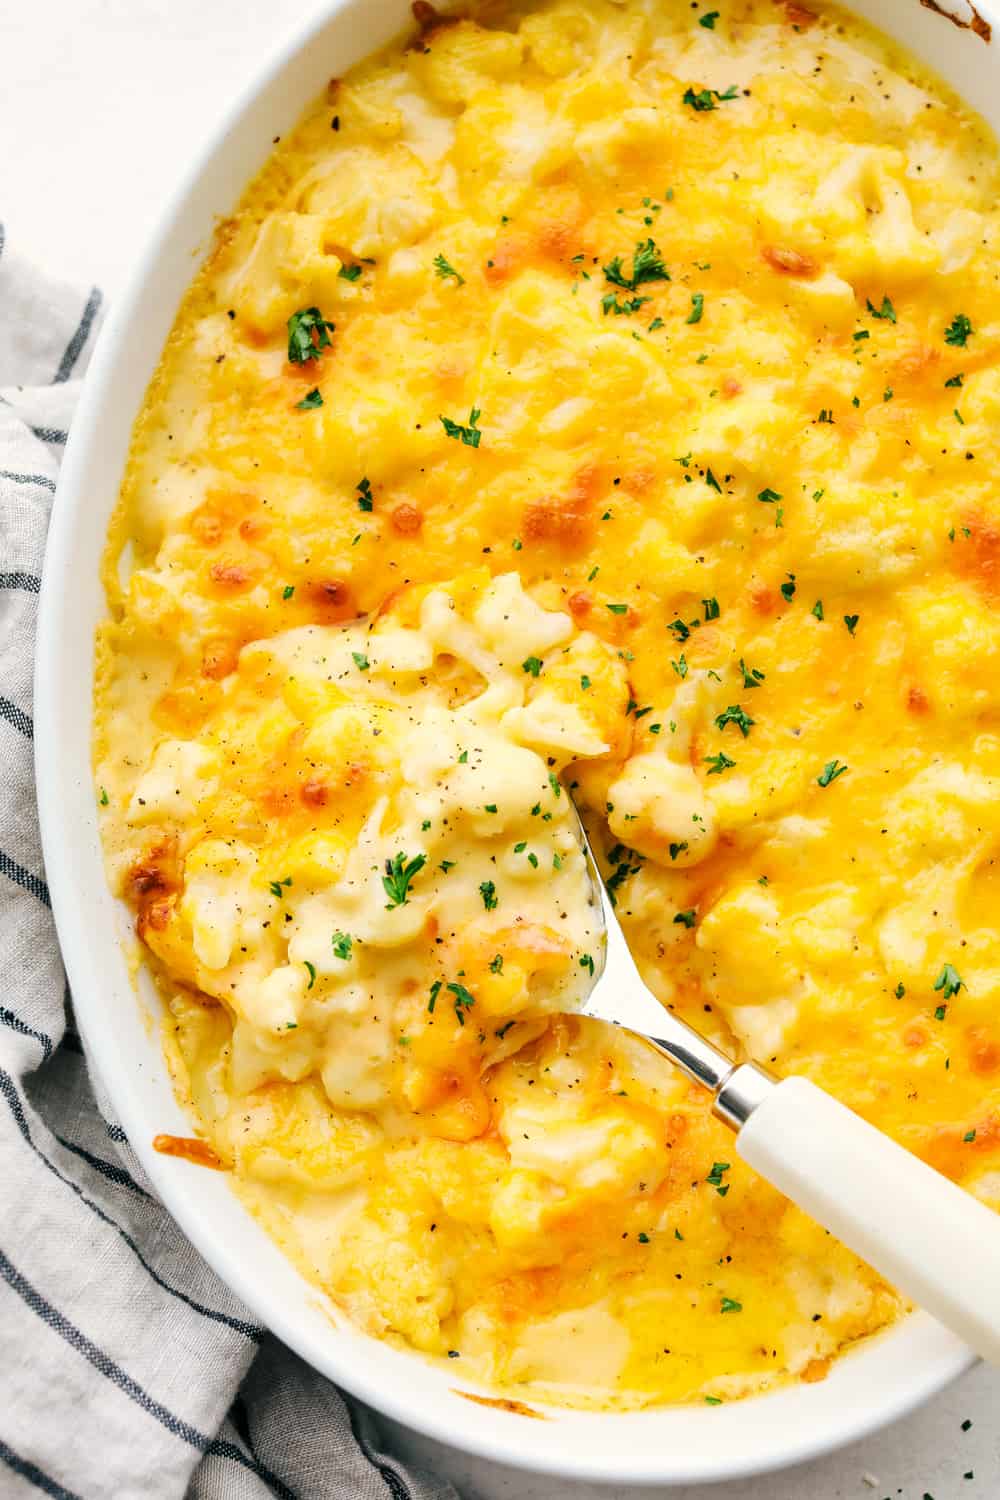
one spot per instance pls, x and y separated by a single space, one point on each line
102 103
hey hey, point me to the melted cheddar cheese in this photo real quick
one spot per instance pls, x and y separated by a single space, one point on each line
593 397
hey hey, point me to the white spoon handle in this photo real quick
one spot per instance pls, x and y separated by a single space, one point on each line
924 1234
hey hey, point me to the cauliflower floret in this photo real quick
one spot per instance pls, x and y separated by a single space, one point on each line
374 201
462 60
742 937
658 807
514 626
181 773
292 264
289 1133
394 1264
219 898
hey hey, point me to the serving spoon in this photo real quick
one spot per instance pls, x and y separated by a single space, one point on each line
923 1233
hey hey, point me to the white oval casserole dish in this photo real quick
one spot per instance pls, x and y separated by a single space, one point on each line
875 1383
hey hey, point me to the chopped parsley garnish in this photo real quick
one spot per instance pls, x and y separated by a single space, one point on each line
734 714
817 609
349 273
618 609
399 872
288 591
969 1137
718 763
488 891
680 667
470 435
445 269
587 962
308 334
697 307
826 415
715 1177
463 1000
310 402
555 784
532 664
311 971
585 682
949 981
685 918
275 886
851 621
647 265
103 799
680 629
360 661
342 945
711 608
610 303
886 311
940 1012
788 588
751 676
675 849
955 381
489 807
958 331
364 490
712 482
496 964
708 20
729 1304
463 759
706 99
622 859
769 497
830 772
435 991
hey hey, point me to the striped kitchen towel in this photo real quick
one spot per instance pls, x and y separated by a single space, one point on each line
127 1369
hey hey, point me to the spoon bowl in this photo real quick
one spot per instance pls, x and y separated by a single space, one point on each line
621 996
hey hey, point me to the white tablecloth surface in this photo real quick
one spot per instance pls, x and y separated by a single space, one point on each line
103 101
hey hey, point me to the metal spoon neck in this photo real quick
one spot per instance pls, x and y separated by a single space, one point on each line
737 1088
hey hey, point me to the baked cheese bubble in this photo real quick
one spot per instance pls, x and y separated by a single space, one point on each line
586 400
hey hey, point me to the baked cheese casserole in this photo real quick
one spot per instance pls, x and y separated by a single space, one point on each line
599 401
